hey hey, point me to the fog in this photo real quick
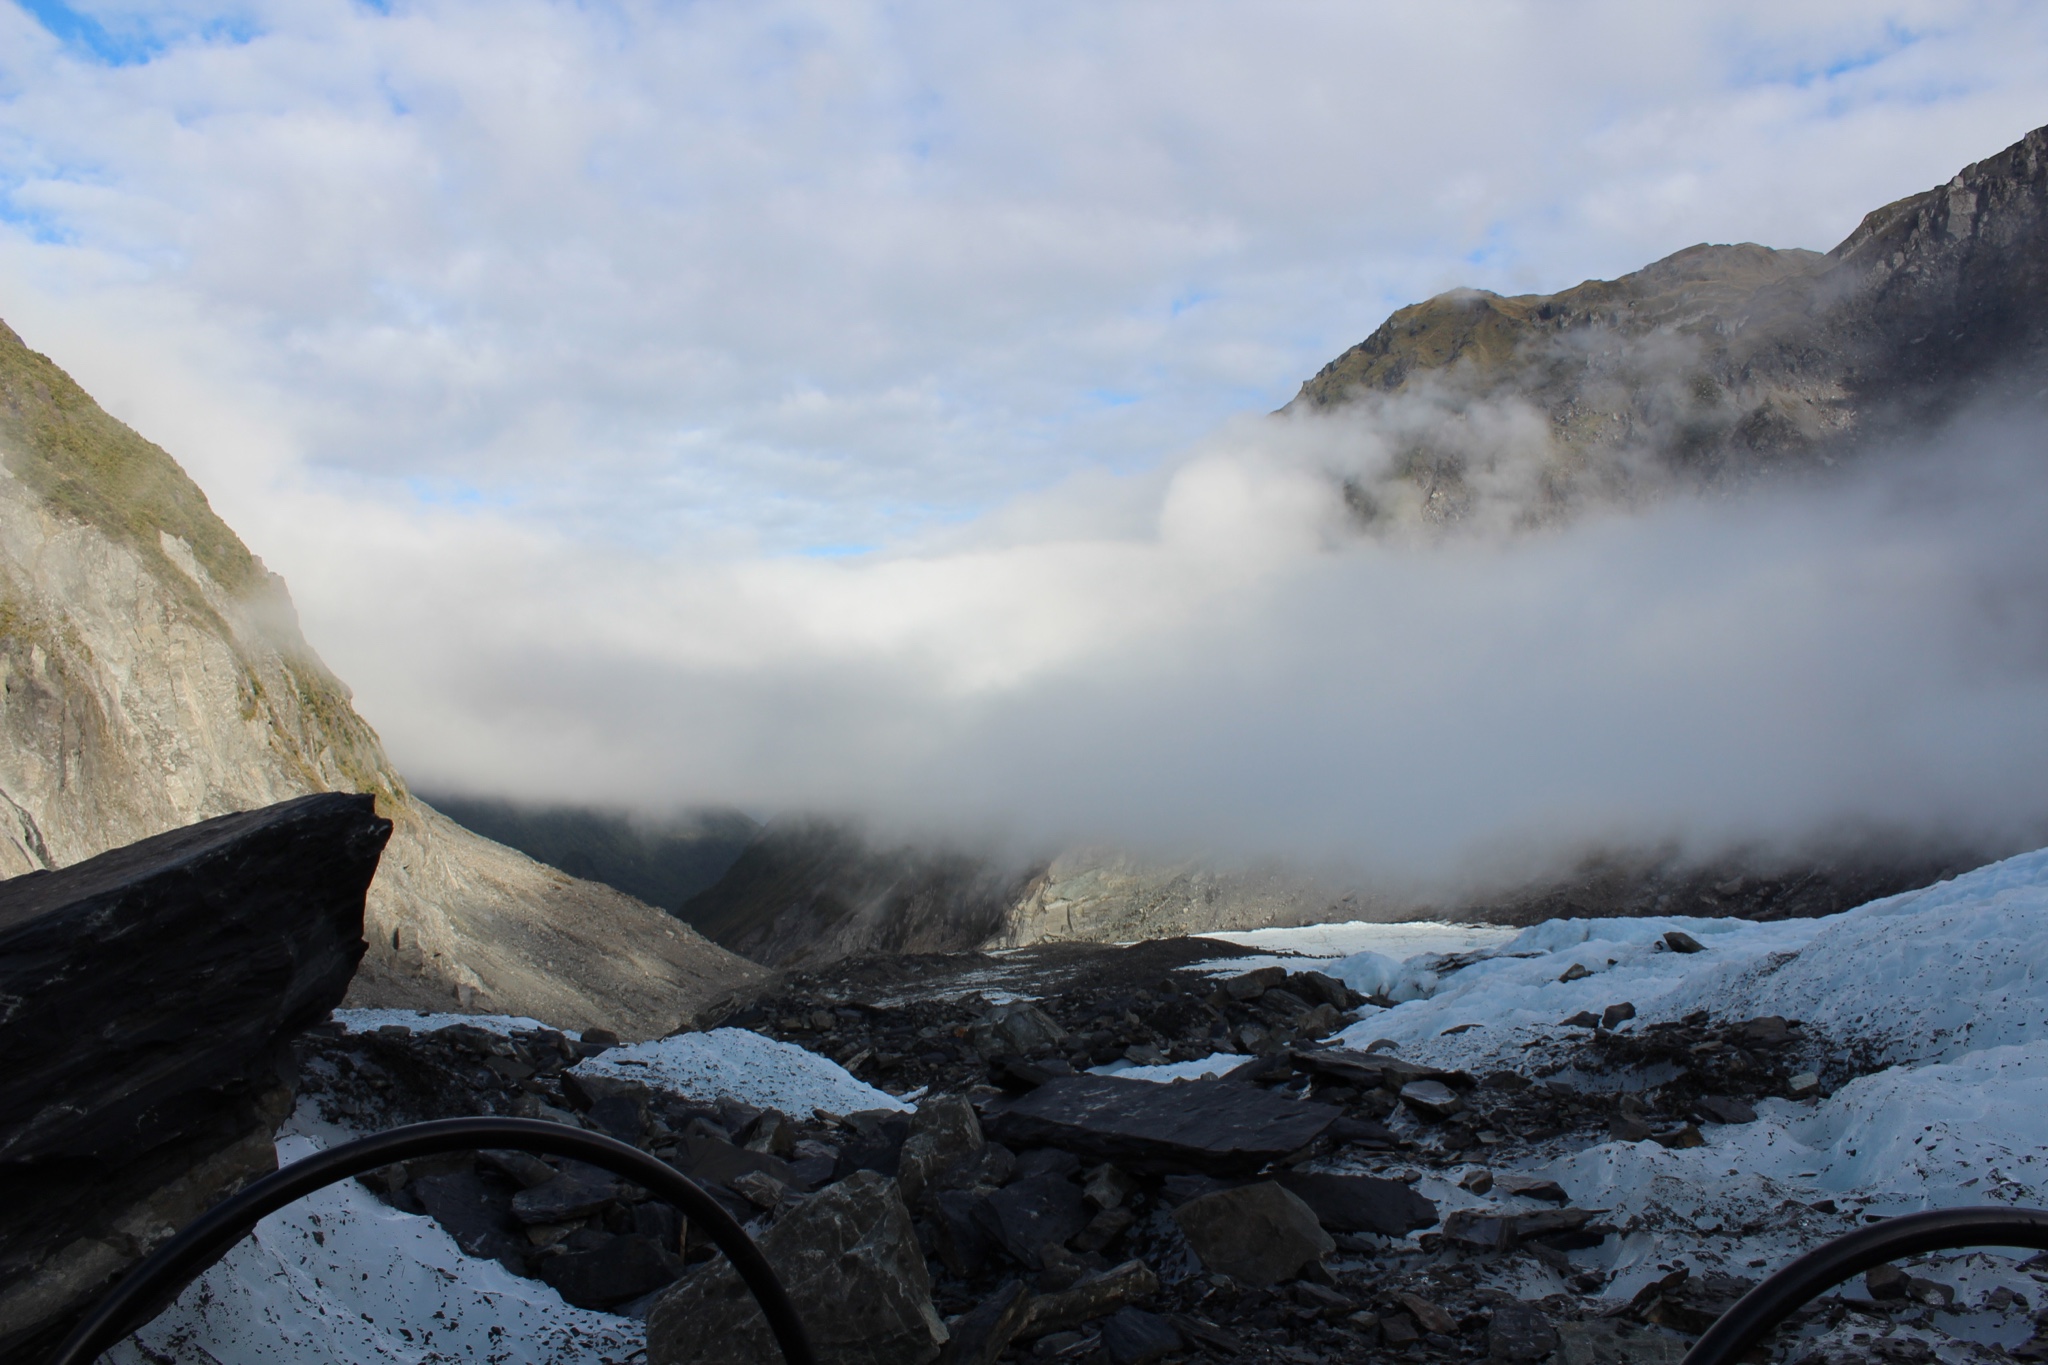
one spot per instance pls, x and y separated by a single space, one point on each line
1217 659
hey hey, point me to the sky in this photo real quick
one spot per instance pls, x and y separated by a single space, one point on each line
857 404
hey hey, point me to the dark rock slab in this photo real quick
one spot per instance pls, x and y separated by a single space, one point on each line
1479 1230
1218 1126
1770 1031
1363 1069
621 1270
1724 1109
1361 1203
984 1332
1428 1315
1431 1100
621 1116
577 1191
709 1160
1031 1214
150 996
959 1240
1532 1187
477 1213
1133 1336
877 1142
1365 1133
1088 1300
848 1257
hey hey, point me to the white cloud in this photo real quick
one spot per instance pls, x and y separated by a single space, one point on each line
532 342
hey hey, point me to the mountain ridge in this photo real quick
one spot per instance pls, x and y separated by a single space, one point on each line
1713 366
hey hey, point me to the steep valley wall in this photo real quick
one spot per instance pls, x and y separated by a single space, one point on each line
152 674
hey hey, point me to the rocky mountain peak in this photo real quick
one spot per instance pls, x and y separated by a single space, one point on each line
1713 366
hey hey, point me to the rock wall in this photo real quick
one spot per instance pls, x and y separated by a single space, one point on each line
1100 896
148 998
152 673
1716 365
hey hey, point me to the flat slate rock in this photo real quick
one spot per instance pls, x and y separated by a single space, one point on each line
1217 1126
1361 1203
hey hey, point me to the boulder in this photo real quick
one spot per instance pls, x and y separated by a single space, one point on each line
876 1143
151 994
1017 1027
848 1257
944 1130
1029 1215
1256 1234
1219 1126
621 1270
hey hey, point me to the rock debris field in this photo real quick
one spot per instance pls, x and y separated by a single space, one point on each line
1580 1145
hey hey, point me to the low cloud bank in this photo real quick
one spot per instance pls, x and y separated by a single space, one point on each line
1220 661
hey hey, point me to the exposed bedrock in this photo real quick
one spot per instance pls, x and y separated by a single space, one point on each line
148 997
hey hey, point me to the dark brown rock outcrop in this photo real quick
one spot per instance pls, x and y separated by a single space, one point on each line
148 997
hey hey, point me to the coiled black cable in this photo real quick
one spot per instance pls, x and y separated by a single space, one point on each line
166 1272
1756 1313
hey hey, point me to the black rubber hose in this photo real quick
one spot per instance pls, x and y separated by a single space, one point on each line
1914 1234
178 1262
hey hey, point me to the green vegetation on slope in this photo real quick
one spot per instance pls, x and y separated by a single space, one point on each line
88 465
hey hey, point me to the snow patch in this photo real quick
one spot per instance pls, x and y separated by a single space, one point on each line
340 1277
751 1069
424 1021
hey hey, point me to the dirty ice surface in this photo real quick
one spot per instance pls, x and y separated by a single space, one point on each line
424 1021
1936 1001
340 1277
1404 939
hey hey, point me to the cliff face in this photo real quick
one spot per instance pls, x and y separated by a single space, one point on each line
1716 365
808 893
152 674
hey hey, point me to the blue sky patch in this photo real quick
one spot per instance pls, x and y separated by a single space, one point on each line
130 41
87 37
